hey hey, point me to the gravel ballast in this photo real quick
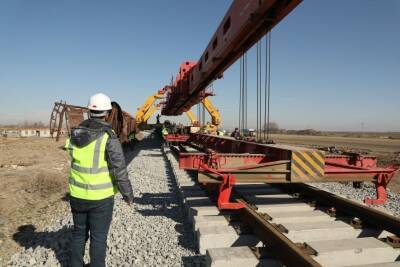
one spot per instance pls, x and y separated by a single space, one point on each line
391 206
152 232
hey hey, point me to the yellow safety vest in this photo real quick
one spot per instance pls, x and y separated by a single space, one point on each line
89 177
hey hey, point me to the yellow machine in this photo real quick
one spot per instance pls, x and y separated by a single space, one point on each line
149 107
192 118
215 117
154 108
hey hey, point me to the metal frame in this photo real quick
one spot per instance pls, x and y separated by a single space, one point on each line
243 25
227 161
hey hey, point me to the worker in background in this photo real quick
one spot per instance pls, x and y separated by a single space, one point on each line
158 118
236 134
98 172
164 131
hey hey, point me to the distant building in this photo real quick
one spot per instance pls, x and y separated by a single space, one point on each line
30 132
35 132
10 133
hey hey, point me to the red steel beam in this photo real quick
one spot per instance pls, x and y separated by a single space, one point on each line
176 138
193 161
244 24
228 153
228 161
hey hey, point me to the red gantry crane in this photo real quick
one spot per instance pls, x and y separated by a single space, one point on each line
224 161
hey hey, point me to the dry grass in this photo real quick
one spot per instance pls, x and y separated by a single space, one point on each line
33 175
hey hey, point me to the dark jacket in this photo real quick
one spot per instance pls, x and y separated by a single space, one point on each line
91 129
235 134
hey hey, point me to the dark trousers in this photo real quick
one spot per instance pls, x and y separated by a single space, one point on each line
92 218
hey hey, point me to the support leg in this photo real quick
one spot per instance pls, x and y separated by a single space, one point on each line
225 194
381 194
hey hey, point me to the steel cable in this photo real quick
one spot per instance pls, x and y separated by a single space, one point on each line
259 91
268 41
240 93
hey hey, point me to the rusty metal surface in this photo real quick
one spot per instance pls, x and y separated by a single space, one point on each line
56 119
75 116
71 116
122 122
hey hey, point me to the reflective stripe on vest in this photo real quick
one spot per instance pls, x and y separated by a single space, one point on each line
96 156
90 186
89 175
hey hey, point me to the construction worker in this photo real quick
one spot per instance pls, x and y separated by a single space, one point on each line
236 134
164 132
158 118
97 173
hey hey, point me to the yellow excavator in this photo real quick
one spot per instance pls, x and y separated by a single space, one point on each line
146 116
145 112
215 117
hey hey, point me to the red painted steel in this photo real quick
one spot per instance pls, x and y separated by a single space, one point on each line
223 144
244 24
176 138
226 155
354 160
380 185
193 161
225 189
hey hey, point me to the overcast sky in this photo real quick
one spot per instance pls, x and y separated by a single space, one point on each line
335 64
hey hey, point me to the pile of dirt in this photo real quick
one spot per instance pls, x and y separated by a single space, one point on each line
34 184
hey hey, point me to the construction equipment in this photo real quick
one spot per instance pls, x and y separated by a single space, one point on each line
212 127
220 161
243 25
214 113
150 106
146 116
144 112
193 120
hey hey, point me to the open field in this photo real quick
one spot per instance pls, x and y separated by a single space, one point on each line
33 175
372 144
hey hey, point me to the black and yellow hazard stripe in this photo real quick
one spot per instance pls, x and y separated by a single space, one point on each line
308 163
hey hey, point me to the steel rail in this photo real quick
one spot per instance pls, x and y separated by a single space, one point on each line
291 253
373 217
276 242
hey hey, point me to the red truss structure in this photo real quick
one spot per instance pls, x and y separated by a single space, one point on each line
243 25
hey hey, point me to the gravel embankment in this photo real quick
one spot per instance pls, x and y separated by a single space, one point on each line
152 233
392 204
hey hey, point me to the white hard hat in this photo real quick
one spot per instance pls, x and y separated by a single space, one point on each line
99 102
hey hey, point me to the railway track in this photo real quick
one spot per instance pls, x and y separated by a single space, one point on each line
291 225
